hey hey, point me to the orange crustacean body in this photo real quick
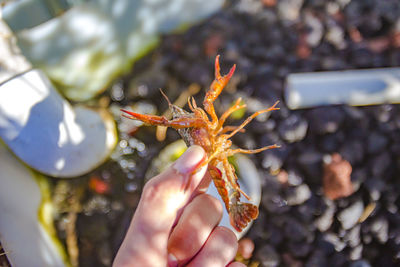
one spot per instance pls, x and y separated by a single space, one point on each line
203 127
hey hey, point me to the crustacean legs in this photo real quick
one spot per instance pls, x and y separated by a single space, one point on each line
203 127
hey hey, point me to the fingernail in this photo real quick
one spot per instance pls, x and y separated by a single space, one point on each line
172 261
190 160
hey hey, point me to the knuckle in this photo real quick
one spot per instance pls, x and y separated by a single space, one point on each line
211 202
150 190
227 235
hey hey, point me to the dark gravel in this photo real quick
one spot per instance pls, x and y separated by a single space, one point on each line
267 40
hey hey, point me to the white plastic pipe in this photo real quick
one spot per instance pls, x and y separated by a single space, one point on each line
352 87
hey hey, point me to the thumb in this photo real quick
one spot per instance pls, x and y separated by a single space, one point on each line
162 198
168 192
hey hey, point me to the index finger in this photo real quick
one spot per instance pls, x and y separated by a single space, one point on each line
162 198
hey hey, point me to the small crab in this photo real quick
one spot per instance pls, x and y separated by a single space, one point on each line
202 127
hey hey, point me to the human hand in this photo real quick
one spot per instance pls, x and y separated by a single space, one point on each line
174 226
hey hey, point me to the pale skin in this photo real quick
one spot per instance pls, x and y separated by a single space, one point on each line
176 223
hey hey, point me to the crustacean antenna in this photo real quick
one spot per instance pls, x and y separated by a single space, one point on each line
166 97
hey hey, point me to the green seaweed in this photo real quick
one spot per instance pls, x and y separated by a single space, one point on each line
44 214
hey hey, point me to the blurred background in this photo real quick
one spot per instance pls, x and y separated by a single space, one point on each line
330 194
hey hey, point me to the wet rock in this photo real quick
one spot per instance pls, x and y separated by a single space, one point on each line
263 127
248 6
258 230
332 63
315 29
282 177
298 195
275 235
274 203
289 9
117 91
274 54
325 120
395 147
294 177
324 222
390 197
375 186
289 260
295 231
196 73
376 142
352 237
299 249
335 35
355 114
270 183
383 113
366 239
246 142
254 105
380 163
362 57
339 259
331 142
320 204
353 151
303 51
379 229
356 252
273 159
246 248
317 259
333 239
271 200
271 138
336 178
395 235
358 176
268 256
283 113
358 132
293 128
307 211
384 257
310 162
373 251
360 263
325 246
349 216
